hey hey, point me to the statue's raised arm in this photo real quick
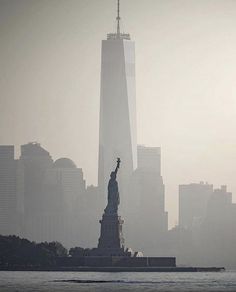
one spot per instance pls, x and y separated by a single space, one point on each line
118 165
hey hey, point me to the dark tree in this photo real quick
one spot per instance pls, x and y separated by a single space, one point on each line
17 252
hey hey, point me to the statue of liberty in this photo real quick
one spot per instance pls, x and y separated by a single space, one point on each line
113 192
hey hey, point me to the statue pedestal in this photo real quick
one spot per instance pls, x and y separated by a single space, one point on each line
111 241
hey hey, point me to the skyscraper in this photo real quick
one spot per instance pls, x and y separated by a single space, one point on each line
217 233
34 162
193 199
64 203
147 201
117 133
8 195
149 158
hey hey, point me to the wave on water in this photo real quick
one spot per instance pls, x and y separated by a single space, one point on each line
113 281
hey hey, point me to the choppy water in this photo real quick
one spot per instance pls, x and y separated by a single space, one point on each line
104 282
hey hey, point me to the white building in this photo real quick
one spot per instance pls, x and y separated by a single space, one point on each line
117 109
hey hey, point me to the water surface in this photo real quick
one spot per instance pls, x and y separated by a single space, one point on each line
104 282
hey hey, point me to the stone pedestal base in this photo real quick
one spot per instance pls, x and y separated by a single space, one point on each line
111 241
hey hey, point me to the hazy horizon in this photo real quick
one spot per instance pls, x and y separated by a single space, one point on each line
185 54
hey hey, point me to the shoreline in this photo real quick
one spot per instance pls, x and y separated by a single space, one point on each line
115 269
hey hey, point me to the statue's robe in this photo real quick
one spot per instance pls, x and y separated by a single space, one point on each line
113 197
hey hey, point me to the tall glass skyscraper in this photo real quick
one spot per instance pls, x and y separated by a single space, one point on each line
117 133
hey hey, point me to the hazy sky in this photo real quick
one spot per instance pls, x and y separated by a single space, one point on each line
186 72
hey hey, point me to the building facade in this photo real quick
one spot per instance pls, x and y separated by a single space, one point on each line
148 220
8 193
193 199
117 132
149 158
64 203
33 164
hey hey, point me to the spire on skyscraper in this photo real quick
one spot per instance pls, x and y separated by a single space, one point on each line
118 34
118 19
117 134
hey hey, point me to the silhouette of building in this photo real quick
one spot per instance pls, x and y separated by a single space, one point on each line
149 158
220 210
92 213
207 234
148 208
193 199
8 194
64 203
179 242
33 163
52 196
217 234
117 132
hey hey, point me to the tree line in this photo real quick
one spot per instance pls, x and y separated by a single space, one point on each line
18 252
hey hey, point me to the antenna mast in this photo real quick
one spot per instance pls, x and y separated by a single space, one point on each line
118 18
117 35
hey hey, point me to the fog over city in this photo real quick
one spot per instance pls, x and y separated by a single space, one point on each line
185 60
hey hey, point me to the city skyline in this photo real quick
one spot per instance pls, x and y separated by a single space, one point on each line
46 200
38 161
186 76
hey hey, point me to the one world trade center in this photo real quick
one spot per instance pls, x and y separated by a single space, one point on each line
117 132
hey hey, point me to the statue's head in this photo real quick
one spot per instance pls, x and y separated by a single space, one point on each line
113 175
